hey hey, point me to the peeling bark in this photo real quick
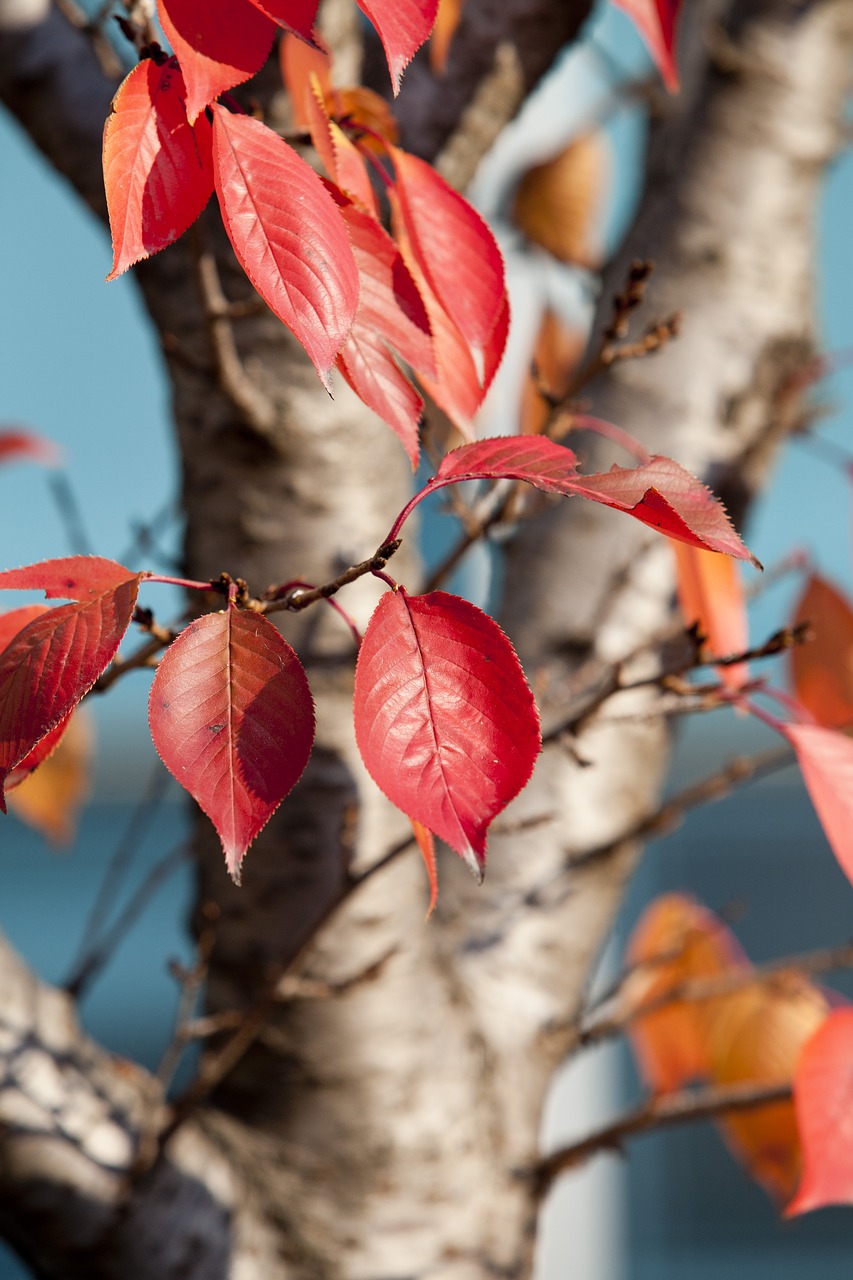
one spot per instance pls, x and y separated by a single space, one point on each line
386 1130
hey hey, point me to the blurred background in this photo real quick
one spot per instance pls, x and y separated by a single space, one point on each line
79 367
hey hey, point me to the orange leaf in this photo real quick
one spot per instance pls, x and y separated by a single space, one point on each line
446 22
676 940
556 355
298 62
426 844
710 593
822 670
50 798
755 1036
559 205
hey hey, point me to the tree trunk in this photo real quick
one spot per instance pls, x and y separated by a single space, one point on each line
386 1129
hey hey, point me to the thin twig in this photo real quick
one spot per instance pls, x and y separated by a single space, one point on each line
664 1112
70 512
596 1025
296 598
119 865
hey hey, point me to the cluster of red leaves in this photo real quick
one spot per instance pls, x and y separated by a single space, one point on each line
430 293
745 1028
444 718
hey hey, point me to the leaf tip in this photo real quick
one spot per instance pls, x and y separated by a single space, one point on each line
476 864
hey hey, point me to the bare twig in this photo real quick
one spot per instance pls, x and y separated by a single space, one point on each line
684 1107
296 598
71 513
597 1025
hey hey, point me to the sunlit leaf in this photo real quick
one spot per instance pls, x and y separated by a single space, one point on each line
297 16
454 249
444 718
56 658
287 233
158 173
219 44
403 26
232 719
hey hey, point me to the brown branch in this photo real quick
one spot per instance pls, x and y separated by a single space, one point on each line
665 1112
257 409
597 1026
296 598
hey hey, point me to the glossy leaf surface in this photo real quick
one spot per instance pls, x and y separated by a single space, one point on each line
403 26
823 1096
660 493
822 669
56 658
454 248
391 314
232 719
445 721
287 233
219 44
158 172
67 578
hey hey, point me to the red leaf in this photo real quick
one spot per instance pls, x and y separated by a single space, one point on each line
297 16
287 233
232 719
299 62
11 624
56 658
40 752
453 247
219 44
444 719
341 160
660 493
390 313
403 26
16 443
157 167
656 21
823 1096
825 758
69 578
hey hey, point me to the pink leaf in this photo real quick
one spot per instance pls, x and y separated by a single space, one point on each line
297 16
16 443
56 658
656 21
444 718
825 757
287 233
157 167
823 1096
453 247
232 719
660 493
403 26
69 578
219 44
